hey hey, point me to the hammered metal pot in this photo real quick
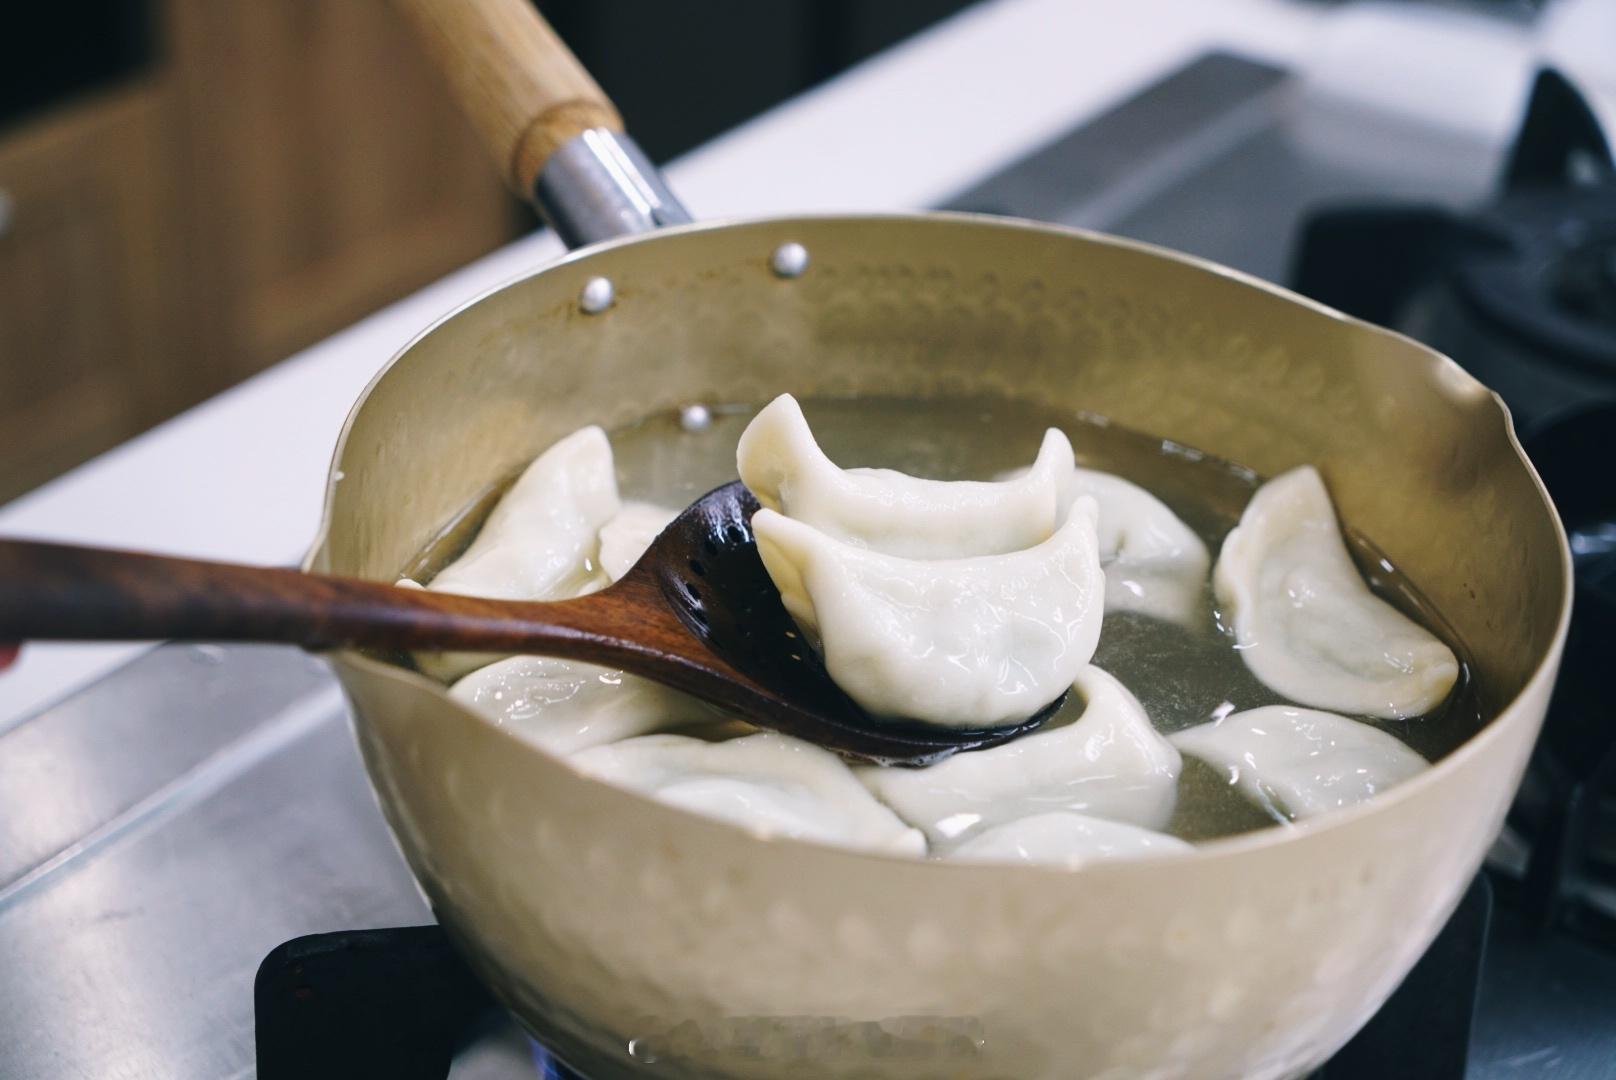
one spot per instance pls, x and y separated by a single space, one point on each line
629 934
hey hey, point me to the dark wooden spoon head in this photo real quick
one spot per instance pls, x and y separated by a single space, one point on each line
709 569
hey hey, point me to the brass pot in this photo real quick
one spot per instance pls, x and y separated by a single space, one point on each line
621 930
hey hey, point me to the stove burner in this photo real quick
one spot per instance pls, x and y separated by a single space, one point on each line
1560 198
1537 267
400 1003
1585 284
1549 277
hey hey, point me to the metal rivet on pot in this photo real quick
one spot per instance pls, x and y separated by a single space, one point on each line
789 260
695 418
598 295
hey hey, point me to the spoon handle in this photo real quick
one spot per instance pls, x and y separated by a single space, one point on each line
62 592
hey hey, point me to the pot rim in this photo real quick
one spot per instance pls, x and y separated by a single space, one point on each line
1226 847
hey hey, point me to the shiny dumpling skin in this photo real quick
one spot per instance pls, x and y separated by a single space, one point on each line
1299 763
629 533
888 511
973 642
541 542
565 705
1107 763
772 784
1306 623
1065 839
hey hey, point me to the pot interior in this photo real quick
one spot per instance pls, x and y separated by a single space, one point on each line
1417 454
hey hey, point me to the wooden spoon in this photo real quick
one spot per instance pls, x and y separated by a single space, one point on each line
698 612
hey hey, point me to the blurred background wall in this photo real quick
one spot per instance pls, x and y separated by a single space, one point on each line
191 190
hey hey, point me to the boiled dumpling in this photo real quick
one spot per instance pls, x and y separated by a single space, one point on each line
1154 564
625 537
892 513
1301 762
972 642
541 540
565 705
1305 622
773 784
1108 763
1065 839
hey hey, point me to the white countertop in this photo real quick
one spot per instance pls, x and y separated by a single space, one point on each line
240 477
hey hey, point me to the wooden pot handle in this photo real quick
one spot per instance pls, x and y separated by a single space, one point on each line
514 77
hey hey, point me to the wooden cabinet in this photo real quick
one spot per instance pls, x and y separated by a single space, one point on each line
277 171
86 320
326 156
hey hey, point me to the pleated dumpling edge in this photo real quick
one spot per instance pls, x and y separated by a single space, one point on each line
890 512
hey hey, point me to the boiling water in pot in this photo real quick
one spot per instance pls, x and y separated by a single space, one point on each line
1182 675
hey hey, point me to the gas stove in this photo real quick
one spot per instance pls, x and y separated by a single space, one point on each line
248 841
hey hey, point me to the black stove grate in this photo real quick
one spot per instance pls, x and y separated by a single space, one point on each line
398 1003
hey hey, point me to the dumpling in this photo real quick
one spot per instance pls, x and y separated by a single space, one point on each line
772 784
625 537
1154 564
890 512
541 540
1107 763
1301 762
973 642
565 706
1065 839
1305 622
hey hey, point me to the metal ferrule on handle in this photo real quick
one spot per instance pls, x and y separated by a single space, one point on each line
555 135
599 185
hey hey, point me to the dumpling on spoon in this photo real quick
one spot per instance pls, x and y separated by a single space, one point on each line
773 784
1108 763
973 642
1301 762
890 512
1064 839
1306 623
565 705
541 542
